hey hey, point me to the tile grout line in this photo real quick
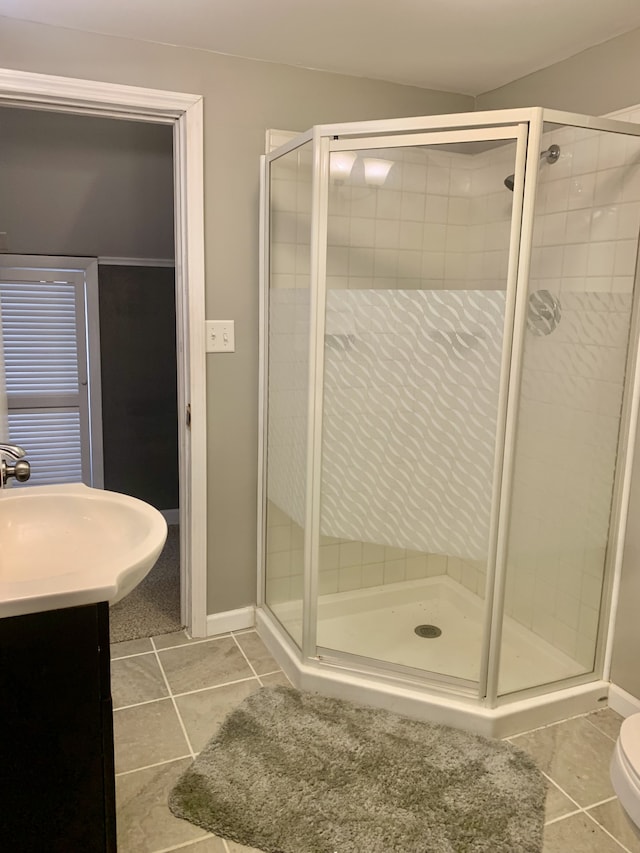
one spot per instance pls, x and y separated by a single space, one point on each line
560 788
585 811
562 817
600 803
557 723
134 655
191 692
175 705
248 661
140 704
577 805
190 642
184 844
578 808
198 641
605 830
614 739
151 766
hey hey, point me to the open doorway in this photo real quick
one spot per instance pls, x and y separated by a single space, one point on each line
87 297
121 273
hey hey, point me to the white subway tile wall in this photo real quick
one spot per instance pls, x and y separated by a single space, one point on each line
346 565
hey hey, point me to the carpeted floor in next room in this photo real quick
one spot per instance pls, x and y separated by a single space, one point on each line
153 607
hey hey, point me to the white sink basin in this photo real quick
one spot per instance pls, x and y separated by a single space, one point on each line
62 546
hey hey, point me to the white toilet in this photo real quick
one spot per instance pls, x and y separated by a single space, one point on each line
625 769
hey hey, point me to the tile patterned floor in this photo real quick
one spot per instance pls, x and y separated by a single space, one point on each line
170 693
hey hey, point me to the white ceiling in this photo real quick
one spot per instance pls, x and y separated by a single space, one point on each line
468 46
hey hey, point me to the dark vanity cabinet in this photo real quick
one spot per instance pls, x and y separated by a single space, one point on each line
57 792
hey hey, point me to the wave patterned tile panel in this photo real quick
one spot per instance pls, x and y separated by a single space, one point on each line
410 405
410 418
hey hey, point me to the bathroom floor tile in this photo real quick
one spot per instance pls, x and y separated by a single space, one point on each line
578 834
204 665
202 712
211 844
611 815
575 755
177 638
607 721
130 647
275 678
557 804
136 679
147 734
145 823
257 653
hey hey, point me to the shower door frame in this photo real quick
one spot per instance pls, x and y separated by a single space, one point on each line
326 138
625 449
327 144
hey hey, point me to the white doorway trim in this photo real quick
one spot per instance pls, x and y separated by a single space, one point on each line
184 113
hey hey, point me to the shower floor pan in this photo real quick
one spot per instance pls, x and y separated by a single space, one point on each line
380 622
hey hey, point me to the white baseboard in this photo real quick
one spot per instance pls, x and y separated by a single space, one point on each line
622 702
231 620
171 516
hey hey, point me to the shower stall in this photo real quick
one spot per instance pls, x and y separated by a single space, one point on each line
447 395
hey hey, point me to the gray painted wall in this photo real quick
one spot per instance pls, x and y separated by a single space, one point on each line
241 99
596 81
80 185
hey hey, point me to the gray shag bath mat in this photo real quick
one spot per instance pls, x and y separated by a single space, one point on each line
292 772
153 607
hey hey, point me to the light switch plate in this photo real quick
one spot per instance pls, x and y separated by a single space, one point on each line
220 336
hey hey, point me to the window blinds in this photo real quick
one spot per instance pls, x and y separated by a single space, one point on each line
45 366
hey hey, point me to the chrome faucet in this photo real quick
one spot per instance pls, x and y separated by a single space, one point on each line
21 470
12 450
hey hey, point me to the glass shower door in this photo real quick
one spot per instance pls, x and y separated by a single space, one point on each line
420 279
581 284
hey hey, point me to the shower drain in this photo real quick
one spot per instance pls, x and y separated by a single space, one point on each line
428 631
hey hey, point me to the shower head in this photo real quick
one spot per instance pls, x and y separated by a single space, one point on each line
551 155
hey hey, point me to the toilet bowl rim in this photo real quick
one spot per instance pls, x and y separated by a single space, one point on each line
626 784
632 767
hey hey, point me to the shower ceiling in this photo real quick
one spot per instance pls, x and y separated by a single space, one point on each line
464 46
